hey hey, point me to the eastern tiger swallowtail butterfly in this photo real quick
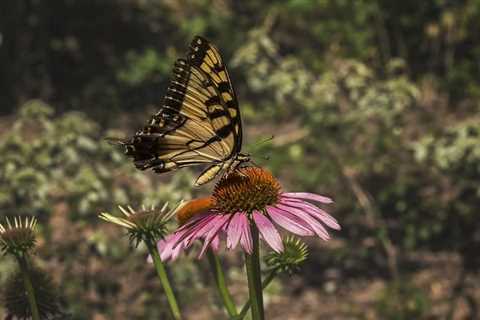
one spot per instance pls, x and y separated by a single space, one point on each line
198 123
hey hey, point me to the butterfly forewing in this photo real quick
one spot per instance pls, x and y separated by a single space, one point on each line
206 57
199 121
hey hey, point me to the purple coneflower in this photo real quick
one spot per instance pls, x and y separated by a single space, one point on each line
248 198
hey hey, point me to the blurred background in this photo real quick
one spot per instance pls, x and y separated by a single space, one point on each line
374 103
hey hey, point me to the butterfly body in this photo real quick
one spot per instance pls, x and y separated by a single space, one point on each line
198 123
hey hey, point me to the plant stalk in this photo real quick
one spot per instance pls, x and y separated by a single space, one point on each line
252 263
265 284
24 267
162 275
217 270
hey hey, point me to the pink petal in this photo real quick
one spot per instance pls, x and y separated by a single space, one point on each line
216 226
185 235
314 224
246 237
268 232
200 229
162 243
215 245
290 222
170 243
193 221
176 252
234 230
315 212
166 255
308 196
160 247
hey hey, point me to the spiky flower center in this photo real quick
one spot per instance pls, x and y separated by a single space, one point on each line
17 240
143 219
245 190
294 255
147 225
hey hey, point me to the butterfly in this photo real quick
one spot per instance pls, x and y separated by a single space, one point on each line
199 122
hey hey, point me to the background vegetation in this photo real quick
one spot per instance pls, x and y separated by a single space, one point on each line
372 102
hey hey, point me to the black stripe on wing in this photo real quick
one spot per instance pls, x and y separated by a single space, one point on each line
206 57
199 121
181 133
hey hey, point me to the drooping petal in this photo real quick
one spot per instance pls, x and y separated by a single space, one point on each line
170 243
314 224
200 229
234 230
313 211
246 236
216 226
193 221
215 245
290 222
160 247
177 250
268 231
183 237
162 243
308 196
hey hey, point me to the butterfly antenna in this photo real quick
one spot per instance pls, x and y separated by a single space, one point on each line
115 141
264 140
259 143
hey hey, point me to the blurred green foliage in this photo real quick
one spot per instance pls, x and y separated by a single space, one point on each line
66 159
61 170
372 102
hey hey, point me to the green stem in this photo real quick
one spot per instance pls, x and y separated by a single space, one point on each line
23 262
220 282
162 274
252 263
265 284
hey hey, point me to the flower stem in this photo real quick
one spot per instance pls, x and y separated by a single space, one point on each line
23 262
265 284
220 282
252 263
162 274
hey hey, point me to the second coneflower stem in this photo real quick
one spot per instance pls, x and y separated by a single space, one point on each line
265 284
162 275
24 267
252 263
217 270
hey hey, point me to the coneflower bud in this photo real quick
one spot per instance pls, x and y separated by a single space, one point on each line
17 237
145 225
15 298
290 260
